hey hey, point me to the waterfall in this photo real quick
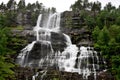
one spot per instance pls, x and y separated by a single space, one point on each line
23 56
42 52
37 28
86 63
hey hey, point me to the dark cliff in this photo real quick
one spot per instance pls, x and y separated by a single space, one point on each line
72 25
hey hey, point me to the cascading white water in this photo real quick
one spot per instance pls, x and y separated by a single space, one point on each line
68 58
43 35
37 28
84 65
83 60
23 56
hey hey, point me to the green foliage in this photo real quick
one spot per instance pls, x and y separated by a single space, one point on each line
118 38
20 14
112 42
101 19
16 44
90 22
11 19
3 41
103 37
77 5
17 28
55 78
95 33
10 4
115 67
96 6
106 34
3 6
109 7
21 4
2 20
118 20
5 66
5 69
8 19
114 31
108 42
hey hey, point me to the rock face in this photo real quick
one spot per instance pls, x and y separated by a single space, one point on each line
37 52
25 34
72 25
59 75
79 35
23 73
105 76
27 73
58 41
43 48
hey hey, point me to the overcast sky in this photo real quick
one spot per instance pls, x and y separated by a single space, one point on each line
62 5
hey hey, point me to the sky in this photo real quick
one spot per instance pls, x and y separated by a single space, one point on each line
62 5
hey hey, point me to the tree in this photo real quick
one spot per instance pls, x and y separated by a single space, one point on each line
5 66
118 20
90 22
114 31
21 4
118 38
77 5
6 72
86 4
102 19
3 7
95 33
53 10
115 66
29 6
103 37
11 18
109 7
96 7
2 21
10 4
5 69
39 5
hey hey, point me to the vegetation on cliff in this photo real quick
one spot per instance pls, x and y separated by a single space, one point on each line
13 19
6 63
105 26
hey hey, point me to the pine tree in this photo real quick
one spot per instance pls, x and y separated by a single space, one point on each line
103 37
95 33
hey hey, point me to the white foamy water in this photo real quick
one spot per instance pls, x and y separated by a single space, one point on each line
83 60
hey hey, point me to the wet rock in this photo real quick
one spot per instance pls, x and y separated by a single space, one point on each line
23 73
59 75
105 75
29 35
45 49
58 41
52 74
38 51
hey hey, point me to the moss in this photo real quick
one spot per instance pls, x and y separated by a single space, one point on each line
17 28
55 78
16 43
